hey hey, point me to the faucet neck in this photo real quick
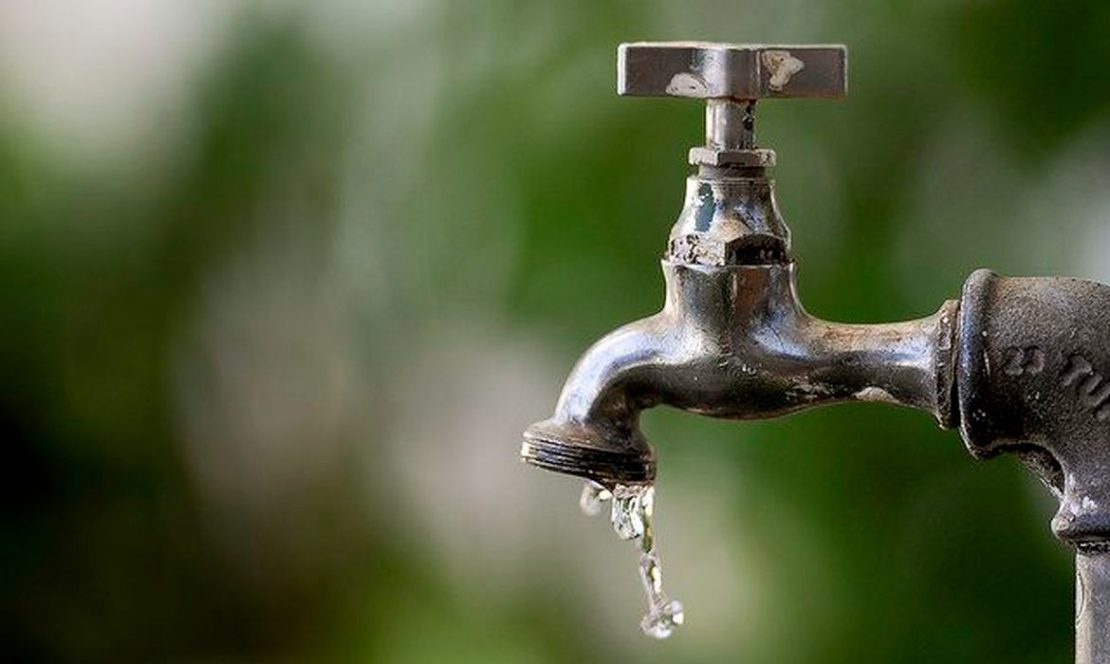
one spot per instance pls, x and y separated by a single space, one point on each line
730 218
737 298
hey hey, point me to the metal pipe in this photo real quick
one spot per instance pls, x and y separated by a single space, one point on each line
1092 608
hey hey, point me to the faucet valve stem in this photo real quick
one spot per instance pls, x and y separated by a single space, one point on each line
730 124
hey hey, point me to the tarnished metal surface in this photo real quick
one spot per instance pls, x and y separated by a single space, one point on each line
729 124
737 71
1092 608
729 221
1033 376
1018 364
731 342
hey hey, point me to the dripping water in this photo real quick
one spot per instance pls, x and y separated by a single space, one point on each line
631 516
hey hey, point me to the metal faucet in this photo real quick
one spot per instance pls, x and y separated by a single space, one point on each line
1019 365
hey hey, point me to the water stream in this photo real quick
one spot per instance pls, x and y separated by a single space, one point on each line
631 516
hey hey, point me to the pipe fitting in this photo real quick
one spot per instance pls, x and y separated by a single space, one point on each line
1034 379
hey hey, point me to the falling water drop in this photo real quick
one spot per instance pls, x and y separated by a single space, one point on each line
631 516
593 498
632 507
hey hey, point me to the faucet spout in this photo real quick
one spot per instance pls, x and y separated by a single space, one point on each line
733 342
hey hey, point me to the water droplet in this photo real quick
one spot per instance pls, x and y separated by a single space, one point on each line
661 621
632 507
593 498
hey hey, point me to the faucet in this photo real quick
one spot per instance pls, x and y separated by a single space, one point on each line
1018 365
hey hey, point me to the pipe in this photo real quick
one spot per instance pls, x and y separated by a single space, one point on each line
1092 608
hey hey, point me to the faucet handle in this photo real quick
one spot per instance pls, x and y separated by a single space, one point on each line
731 77
704 70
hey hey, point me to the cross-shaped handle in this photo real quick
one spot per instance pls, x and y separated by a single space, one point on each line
731 77
731 71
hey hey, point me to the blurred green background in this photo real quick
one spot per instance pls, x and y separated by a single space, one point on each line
281 284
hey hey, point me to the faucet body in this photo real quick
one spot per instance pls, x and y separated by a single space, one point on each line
732 341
